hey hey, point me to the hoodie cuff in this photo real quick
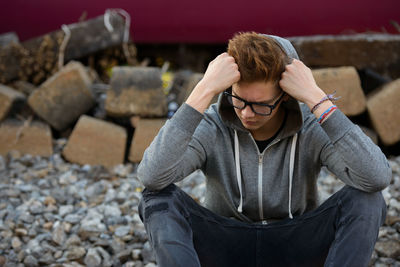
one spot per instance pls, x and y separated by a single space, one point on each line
186 118
337 125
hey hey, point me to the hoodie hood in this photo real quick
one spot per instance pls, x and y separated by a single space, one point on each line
292 106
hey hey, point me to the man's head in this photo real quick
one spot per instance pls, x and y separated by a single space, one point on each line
261 62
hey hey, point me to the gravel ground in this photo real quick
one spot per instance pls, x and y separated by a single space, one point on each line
53 213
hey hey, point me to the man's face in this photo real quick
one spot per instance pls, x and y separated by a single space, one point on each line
263 92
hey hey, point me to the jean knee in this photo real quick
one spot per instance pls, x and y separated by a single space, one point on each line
366 203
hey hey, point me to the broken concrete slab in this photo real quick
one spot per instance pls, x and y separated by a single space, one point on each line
346 82
26 137
39 56
144 134
64 97
384 112
9 99
136 91
96 142
380 52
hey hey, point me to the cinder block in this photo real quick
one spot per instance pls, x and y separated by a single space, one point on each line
28 138
64 97
383 109
96 142
346 82
136 91
9 98
144 134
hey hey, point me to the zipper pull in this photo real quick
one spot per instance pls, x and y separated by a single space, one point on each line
259 159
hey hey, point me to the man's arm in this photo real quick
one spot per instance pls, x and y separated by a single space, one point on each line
349 153
181 145
221 73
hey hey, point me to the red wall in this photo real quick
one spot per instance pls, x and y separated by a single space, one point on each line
206 21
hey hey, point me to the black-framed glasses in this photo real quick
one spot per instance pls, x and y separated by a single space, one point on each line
262 109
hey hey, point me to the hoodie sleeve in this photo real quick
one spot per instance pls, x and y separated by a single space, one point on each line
175 152
352 156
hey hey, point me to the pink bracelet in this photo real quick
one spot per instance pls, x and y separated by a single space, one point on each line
325 98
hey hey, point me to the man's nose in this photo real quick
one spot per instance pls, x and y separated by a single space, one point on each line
247 112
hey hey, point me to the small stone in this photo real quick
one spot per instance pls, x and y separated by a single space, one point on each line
65 209
112 211
390 248
47 258
73 218
136 254
48 225
16 243
58 254
31 261
106 257
92 258
36 207
21 232
59 235
2 260
122 231
73 240
26 217
394 204
75 253
124 255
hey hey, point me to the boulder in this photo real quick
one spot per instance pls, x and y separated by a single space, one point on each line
346 82
136 91
64 97
96 142
144 134
28 138
9 98
384 112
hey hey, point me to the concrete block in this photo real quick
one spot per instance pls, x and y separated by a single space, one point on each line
8 99
144 134
346 82
96 142
28 138
63 98
136 91
383 109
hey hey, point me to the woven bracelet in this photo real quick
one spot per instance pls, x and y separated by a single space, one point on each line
326 113
330 97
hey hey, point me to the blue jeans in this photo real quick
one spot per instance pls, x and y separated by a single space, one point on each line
340 232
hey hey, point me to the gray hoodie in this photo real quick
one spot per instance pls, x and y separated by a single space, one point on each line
279 182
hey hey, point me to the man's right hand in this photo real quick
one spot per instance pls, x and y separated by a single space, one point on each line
221 73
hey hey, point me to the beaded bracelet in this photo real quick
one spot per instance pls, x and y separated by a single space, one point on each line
330 97
326 113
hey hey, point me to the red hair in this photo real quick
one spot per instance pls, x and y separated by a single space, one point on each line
259 57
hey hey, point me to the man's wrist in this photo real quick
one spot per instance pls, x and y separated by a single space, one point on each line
200 97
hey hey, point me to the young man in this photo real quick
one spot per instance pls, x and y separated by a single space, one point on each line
261 151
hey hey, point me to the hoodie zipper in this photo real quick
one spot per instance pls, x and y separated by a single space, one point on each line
260 175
